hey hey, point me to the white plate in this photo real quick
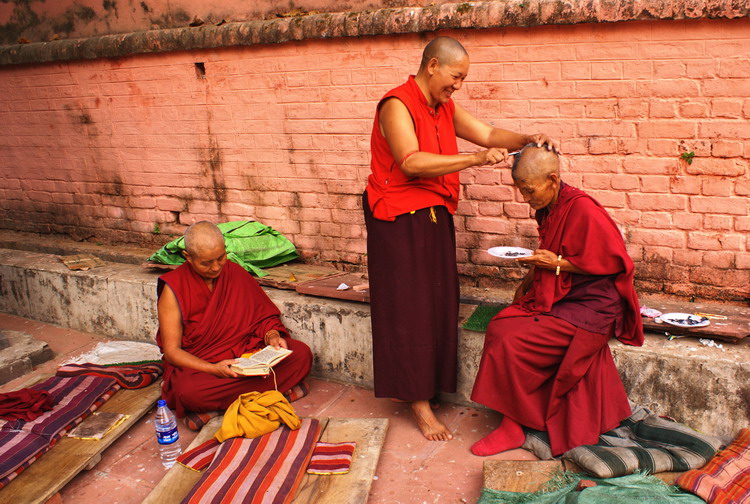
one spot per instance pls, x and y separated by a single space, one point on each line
510 252
684 320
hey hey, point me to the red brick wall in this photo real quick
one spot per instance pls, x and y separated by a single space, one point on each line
116 149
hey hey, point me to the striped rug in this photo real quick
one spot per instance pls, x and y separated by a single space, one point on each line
643 442
129 377
263 470
726 477
22 442
331 458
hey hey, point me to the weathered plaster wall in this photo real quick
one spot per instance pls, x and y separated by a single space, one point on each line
44 20
706 388
134 148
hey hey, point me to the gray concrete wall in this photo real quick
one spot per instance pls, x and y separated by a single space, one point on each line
706 388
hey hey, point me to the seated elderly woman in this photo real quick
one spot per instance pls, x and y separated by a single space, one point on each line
546 363
211 311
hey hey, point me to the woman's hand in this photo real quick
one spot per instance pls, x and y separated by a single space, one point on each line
544 259
273 338
222 369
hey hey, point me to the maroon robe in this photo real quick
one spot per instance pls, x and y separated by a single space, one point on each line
546 362
223 324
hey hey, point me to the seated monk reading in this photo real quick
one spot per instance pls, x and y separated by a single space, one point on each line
211 311
546 363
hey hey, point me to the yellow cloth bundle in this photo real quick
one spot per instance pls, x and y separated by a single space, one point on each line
257 413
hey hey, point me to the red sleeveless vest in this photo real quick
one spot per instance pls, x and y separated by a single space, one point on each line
390 192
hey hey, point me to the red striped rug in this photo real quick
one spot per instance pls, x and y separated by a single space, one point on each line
726 477
263 470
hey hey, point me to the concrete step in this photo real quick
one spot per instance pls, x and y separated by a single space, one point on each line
19 353
706 388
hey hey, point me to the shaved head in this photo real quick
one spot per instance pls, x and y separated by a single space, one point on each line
535 164
446 50
203 237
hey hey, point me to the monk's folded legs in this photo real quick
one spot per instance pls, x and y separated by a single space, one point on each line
200 392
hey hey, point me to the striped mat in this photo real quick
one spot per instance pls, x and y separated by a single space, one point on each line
643 442
331 458
129 376
726 477
262 470
22 442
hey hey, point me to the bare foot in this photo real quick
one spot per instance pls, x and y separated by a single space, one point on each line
431 427
434 403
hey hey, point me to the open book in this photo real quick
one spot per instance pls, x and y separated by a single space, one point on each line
260 363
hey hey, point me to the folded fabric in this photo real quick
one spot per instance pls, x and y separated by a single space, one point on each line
726 477
635 488
196 421
265 469
257 413
331 458
25 404
129 377
22 442
643 442
201 456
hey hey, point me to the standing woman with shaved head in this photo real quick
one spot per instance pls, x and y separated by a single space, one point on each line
409 203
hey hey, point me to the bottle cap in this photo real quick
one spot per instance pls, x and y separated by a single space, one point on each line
160 403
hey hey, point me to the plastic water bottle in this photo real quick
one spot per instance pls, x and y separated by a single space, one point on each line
167 434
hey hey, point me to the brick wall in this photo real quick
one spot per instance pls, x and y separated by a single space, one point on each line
133 149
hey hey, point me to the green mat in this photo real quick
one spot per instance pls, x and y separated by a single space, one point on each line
631 489
481 317
250 244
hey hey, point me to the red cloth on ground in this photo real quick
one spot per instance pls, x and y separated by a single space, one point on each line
391 193
24 404
544 372
224 324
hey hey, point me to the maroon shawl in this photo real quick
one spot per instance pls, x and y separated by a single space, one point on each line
580 229
222 324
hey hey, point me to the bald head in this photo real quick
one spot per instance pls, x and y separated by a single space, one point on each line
203 237
446 50
535 164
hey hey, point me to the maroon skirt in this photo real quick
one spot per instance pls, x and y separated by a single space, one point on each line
414 297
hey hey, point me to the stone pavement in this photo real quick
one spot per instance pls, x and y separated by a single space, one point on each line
411 470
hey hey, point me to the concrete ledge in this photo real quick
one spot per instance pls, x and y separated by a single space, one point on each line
706 388
467 15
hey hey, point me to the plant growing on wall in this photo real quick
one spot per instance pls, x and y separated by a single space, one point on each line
688 157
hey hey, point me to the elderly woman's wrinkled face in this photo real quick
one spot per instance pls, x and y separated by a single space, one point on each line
539 192
207 263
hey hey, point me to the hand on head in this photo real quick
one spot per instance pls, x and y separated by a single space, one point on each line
542 140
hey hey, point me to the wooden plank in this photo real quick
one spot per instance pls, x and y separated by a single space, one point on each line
288 276
519 475
353 487
732 330
179 480
327 287
45 477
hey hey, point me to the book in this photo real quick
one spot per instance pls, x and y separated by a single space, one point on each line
261 362
98 425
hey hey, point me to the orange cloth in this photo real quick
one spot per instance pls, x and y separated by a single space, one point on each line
255 413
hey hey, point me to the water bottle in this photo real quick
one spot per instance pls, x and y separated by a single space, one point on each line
167 434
